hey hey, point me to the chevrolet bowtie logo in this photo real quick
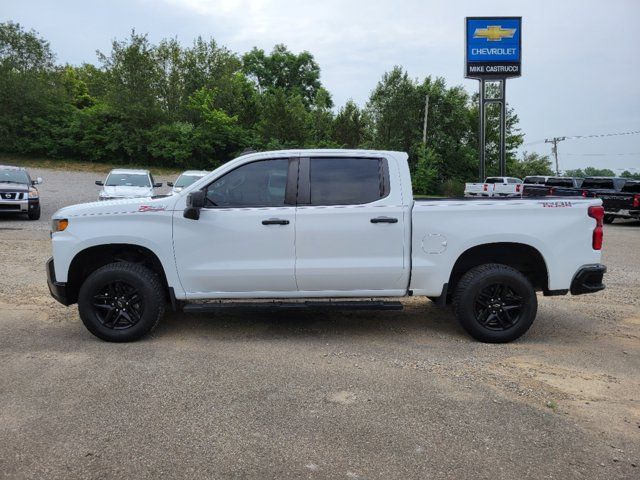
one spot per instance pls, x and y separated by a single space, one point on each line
494 33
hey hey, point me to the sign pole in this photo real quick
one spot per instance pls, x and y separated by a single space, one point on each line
482 131
503 126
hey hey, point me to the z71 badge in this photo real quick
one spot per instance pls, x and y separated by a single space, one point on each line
556 204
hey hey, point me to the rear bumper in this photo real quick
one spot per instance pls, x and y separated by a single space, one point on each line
588 279
58 290
622 213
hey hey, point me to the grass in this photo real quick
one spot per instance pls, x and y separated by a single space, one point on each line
78 166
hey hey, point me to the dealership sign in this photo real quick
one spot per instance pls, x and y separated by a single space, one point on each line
493 47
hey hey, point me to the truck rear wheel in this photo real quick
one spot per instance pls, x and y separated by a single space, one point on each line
121 302
495 303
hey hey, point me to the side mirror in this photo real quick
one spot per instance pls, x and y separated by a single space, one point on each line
37 181
157 185
169 184
195 201
99 183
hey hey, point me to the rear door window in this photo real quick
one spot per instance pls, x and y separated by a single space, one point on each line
347 181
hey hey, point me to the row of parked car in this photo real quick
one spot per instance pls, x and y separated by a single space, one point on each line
620 196
19 194
128 183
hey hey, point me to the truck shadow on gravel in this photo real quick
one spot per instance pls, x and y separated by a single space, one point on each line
416 320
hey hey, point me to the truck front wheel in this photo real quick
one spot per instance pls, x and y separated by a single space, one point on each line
495 303
121 302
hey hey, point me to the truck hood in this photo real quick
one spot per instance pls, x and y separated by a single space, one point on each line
115 207
13 187
126 191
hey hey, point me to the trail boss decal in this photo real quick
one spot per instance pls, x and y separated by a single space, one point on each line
150 208
556 204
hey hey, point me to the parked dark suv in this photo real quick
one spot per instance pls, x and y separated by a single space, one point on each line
18 193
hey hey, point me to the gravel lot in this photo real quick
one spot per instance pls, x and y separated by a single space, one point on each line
315 395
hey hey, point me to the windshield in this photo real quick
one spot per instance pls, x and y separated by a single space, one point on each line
560 182
127 180
534 180
186 180
14 176
631 187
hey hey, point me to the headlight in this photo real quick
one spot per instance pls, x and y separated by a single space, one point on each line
177 189
59 225
33 193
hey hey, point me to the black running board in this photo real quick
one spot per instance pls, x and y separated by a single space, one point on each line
289 305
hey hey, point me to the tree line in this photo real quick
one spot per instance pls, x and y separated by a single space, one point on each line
197 106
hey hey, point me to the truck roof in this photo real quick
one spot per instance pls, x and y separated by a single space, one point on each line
11 167
324 151
129 170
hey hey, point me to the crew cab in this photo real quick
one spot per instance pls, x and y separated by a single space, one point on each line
557 187
320 229
495 187
623 204
127 183
18 193
594 186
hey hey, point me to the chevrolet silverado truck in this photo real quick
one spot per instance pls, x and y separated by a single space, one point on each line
556 187
18 193
623 204
320 229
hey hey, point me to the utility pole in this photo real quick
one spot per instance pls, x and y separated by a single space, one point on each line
554 149
424 126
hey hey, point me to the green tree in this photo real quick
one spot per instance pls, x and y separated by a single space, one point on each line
531 164
349 126
628 174
297 75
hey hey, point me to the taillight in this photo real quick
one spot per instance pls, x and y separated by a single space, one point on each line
551 191
636 201
584 193
597 212
485 187
518 186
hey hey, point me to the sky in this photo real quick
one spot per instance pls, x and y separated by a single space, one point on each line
580 61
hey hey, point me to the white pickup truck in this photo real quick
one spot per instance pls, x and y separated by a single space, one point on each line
494 187
320 228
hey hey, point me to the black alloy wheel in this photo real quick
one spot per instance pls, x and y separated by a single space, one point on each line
498 307
118 305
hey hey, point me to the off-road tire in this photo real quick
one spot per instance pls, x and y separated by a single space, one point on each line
150 301
471 291
34 214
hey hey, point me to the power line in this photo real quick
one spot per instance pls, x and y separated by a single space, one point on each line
635 132
597 135
601 154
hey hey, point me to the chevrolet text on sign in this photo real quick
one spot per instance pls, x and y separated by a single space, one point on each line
493 47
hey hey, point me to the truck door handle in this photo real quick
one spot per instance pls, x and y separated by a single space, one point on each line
275 221
384 220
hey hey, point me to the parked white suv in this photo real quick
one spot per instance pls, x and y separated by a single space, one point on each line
185 179
127 183
320 228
